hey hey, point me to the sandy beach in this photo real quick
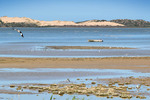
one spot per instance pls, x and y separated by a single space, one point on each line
141 64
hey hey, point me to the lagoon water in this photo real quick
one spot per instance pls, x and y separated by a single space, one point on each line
33 45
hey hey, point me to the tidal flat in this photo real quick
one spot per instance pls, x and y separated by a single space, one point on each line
65 83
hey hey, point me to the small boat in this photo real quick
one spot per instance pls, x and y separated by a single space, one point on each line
95 40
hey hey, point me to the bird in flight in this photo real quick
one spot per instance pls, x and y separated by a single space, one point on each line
19 32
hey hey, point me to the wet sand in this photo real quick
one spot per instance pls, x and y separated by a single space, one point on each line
141 64
84 47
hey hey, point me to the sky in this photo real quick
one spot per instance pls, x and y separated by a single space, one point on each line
76 10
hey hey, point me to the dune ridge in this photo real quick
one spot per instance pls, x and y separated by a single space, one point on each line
6 19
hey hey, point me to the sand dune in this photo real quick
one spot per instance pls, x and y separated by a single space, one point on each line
57 23
105 23
18 20
6 19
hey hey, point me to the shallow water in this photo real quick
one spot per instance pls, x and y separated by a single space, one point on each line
50 76
64 97
37 38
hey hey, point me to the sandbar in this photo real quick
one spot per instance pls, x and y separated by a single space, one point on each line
84 47
141 64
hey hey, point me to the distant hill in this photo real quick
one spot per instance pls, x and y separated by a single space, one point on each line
28 22
132 23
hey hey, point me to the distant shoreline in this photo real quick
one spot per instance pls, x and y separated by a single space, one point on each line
76 27
28 22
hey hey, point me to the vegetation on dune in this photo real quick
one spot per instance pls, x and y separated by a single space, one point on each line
126 22
132 23
92 21
20 25
2 24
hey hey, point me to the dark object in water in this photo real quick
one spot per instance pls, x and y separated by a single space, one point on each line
95 40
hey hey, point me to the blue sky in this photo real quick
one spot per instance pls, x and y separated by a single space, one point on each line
76 10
